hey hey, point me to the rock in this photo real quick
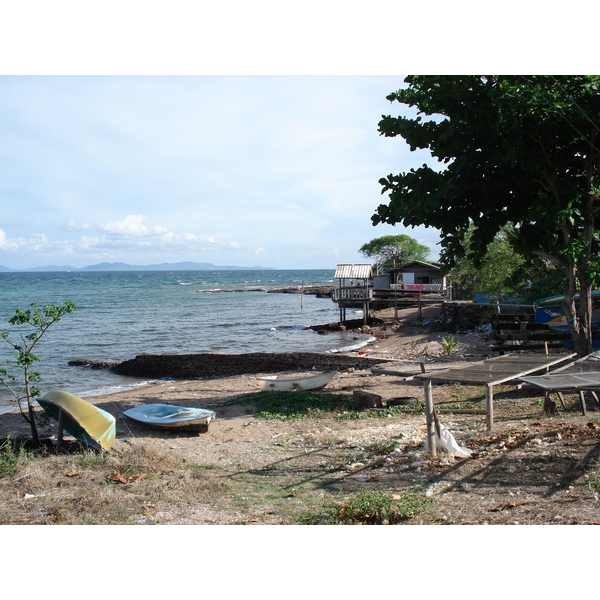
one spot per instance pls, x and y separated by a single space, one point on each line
367 399
191 366
92 364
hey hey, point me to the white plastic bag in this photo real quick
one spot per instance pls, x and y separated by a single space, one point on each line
446 440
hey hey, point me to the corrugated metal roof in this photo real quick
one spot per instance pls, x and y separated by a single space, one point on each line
353 272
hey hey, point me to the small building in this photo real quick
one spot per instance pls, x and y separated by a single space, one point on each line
418 276
353 289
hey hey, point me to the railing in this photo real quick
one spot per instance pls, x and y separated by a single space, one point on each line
352 294
417 287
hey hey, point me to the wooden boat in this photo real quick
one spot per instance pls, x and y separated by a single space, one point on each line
84 421
299 382
171 416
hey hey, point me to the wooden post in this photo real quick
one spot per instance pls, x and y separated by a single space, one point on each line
59 436
489 406
429 415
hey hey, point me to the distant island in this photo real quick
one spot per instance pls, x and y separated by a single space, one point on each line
119 266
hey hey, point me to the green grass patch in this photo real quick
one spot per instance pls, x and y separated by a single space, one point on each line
289 406
296 405
375 507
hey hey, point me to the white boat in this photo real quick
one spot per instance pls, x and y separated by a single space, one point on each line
298 382
171 416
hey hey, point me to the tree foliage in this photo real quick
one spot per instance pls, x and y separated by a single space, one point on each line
394 250
36 320
503 272
519 149
499 274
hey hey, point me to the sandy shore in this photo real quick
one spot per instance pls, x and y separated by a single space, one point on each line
533 469
405 341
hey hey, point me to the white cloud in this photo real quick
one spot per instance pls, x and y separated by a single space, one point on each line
143 167
130 225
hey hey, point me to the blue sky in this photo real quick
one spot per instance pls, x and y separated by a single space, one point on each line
231 133
278 171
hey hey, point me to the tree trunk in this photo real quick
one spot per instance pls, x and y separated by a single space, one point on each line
34 432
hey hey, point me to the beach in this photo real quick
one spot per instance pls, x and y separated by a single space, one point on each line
531 469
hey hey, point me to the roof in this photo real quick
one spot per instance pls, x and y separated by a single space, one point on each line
419 264
353 272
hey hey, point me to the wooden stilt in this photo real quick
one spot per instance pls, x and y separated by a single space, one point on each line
582 398
430 416
561 397
61 429
489 406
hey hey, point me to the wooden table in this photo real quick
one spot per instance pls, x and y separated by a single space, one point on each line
489 372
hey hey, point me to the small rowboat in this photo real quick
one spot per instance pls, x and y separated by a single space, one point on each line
299 383
84 421
172 417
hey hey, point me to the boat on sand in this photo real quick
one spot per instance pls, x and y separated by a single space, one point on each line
84 421
171 417
296 383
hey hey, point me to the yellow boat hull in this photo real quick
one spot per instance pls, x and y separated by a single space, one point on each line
84 421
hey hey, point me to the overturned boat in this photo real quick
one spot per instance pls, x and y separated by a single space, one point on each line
171 417
84 421
296 383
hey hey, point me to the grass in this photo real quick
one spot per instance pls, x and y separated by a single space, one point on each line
289 406
125 487
376 507
12 458
296 405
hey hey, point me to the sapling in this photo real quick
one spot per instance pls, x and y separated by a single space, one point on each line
36 320
449 344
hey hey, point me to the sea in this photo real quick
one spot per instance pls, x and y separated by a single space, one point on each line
121 314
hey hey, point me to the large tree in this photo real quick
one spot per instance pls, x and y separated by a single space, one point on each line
393 250
520 149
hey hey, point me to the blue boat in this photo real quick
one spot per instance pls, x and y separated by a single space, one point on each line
549 311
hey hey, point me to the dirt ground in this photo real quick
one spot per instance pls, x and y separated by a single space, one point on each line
531 469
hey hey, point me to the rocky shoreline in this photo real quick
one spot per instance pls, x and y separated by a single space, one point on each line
196 366
212 365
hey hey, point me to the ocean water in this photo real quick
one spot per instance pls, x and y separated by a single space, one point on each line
122 314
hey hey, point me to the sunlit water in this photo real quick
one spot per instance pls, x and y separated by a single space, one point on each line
122 314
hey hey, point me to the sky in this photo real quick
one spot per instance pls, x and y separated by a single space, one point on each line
232 133
272 170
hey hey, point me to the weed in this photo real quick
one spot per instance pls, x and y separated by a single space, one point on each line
449 344
374 507
595 481
382 446
12 458
296 405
